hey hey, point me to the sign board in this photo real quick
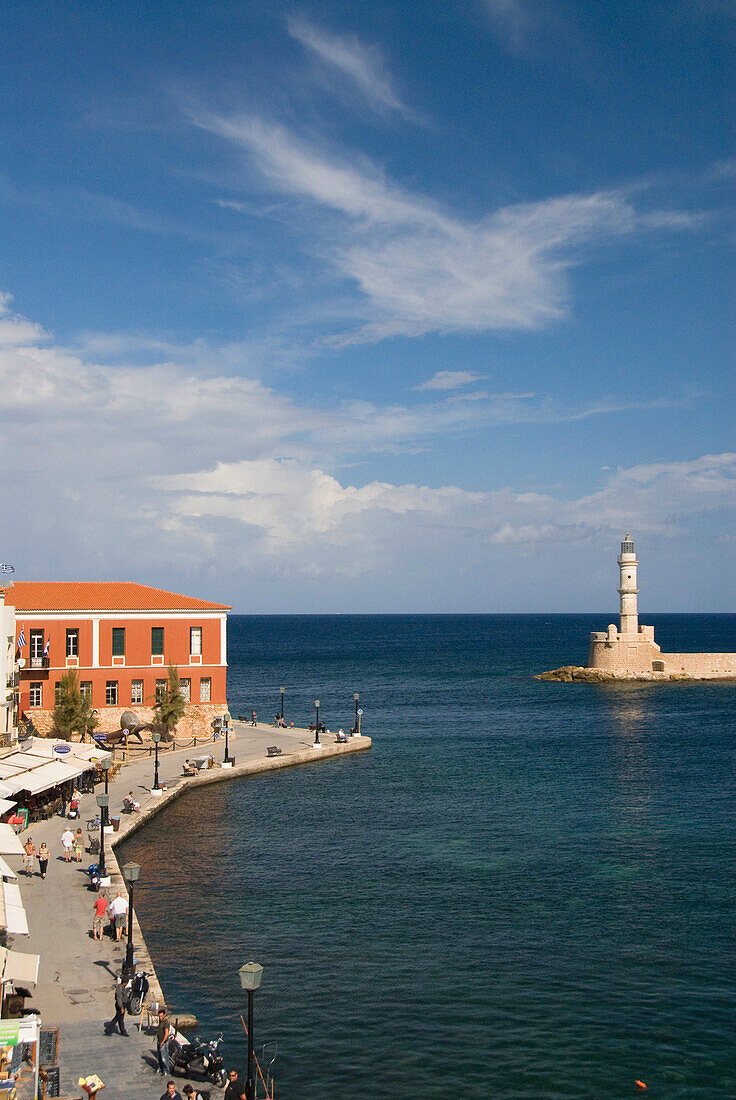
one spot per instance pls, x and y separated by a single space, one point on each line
360 711
48 1046
61 749
9 1032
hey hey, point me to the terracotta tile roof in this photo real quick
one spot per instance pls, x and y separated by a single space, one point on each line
101 596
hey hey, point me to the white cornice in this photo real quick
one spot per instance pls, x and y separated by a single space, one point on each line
152 614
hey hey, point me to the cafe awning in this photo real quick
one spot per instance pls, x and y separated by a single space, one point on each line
5 871
18 966
6 804
48 775
10 845
16 921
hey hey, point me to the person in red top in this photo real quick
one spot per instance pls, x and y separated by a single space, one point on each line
98 920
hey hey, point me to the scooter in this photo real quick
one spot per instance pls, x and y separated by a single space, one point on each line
93 871
136 989
200 1057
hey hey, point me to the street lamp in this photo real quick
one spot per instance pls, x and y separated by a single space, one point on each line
356 696
103 801
282 691
106 764
316 724
250 979
226 721
131 872
156 739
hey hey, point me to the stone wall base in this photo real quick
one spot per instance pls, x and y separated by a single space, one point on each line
196 722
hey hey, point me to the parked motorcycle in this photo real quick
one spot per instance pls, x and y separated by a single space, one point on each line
93 871
199 1057
136 990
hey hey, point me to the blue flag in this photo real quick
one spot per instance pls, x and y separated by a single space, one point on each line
21 638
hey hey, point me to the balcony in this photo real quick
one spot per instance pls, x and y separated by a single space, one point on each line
36 664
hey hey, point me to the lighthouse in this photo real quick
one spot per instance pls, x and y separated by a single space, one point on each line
628 591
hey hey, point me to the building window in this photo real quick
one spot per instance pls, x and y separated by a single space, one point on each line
195 641
72 643
205 689
111 693
36 643
85 690
57 692
161 686
185 687
136 691
157 641
118 641
36 694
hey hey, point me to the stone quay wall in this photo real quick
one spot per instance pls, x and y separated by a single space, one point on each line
196 721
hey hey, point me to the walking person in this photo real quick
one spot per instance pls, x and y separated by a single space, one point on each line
43 855
78 844
171 1092
235 1088
191 1093
119 911
99 912
254 719
29 851
163 1038
67 843
119 1017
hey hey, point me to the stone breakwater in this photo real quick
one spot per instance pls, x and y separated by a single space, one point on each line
569 673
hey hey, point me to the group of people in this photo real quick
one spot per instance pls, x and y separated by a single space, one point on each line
30 852
73 844
234 1090
115 911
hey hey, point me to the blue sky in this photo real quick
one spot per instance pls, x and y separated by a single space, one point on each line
388 307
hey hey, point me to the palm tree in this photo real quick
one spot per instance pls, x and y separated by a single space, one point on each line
170 707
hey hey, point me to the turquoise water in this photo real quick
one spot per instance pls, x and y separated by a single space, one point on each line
524 890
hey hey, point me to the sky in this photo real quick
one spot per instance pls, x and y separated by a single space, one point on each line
335 307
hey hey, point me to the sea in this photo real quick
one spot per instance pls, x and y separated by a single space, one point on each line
524 889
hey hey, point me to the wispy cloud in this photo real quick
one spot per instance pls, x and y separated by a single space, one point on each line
422 270
449 380
209 472
362 65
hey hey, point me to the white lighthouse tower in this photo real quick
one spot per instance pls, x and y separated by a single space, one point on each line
628 591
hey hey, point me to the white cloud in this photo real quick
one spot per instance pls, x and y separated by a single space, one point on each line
189 475
449 380
420 270
361 64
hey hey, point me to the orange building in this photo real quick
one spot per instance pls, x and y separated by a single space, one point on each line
120 638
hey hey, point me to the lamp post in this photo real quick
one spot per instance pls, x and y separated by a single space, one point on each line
250 979
156 739
103 801
106 764
282 691
356 696
131 872
316 724
226 722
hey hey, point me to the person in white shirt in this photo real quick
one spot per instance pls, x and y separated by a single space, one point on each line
118 910
67 843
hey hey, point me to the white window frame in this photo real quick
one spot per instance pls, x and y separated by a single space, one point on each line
185 687
110 686
36 689
136 688
208 698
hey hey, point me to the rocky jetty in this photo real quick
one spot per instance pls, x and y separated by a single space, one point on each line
568 673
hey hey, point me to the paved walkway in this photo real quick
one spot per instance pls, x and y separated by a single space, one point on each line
77 973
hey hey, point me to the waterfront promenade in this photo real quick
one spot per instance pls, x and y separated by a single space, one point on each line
77 973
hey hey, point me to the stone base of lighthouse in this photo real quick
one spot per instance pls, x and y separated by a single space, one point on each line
618 652
639 655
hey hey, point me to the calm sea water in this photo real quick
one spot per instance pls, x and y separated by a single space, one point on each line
525 889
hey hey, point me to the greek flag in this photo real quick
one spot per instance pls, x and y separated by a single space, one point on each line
22 638
46 647
7 568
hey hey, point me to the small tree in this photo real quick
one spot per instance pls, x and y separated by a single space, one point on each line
170 708
68 705
88 718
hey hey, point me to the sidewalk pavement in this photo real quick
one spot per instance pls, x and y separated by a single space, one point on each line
77 974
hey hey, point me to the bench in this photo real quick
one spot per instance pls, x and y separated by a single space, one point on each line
273 750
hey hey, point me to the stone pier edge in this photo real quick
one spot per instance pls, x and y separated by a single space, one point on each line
157 803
